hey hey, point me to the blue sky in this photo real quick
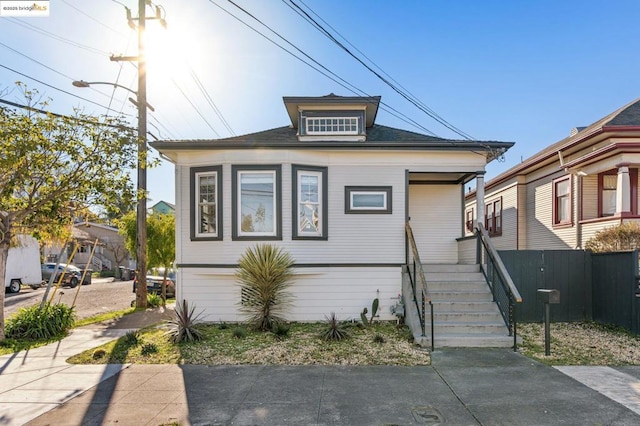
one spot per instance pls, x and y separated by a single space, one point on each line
520 71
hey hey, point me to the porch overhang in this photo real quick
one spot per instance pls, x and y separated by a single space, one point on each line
440 178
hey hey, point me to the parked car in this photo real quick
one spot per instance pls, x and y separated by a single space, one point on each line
72 274
154 285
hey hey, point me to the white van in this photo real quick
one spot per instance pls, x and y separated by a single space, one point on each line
23 265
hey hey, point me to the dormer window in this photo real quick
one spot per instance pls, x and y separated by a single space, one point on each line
332 126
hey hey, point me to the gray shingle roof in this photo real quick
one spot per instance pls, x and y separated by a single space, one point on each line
378 137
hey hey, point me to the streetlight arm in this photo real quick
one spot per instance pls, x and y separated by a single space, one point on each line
82 83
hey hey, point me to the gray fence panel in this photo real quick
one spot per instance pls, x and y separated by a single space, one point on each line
568 271
614 289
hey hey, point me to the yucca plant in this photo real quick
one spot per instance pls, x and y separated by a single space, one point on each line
264 273
184 326
334 329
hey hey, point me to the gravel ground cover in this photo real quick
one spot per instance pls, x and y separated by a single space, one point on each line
583 343
380 344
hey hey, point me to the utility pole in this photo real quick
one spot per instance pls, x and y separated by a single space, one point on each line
141 212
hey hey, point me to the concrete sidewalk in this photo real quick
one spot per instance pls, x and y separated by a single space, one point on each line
38 380
461 387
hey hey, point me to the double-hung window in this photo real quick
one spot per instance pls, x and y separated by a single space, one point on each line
493 217
256 197
609 188
469 220
309 202
206 203
562 201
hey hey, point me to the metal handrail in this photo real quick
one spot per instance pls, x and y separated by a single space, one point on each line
507 285
419 278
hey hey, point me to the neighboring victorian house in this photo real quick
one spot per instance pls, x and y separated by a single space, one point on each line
563 195
335 190
163 207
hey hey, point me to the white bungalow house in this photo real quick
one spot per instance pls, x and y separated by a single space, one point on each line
561 196
335 190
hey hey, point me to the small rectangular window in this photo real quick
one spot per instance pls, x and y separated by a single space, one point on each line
368 199
206 202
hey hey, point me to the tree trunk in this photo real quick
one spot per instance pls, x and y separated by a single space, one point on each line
164 287
5 242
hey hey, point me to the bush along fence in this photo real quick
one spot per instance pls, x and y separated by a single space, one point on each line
602 287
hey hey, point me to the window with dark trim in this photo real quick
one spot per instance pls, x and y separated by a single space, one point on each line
367 200
607 188
206 203
493 217
309 202
562 201
469 220
257 202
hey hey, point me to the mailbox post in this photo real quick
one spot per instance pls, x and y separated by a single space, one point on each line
549 297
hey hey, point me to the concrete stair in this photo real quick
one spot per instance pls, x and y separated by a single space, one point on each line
464 313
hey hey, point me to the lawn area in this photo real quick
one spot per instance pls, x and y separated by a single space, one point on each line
379 344
582 343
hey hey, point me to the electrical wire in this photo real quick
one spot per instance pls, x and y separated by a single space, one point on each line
195 108
408 96
327 73
211 102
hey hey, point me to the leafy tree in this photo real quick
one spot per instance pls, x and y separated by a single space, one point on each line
265 275
161 241
161 245
616 238
49 164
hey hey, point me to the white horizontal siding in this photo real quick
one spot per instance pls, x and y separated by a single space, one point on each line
317 293
590 197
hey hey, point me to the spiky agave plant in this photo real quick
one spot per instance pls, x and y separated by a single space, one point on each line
265 275
184 326
333 329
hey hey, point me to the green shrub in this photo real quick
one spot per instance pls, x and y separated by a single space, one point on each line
281 331
334 329
616 238
378 338
33 323
132 338
148 349
98 353
184 326
264 273
154 300
223 325
239 332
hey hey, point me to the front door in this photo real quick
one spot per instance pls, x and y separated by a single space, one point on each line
436 218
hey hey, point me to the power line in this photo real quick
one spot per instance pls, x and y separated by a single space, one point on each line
195 108
408 96
53 87
211 102
333 77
